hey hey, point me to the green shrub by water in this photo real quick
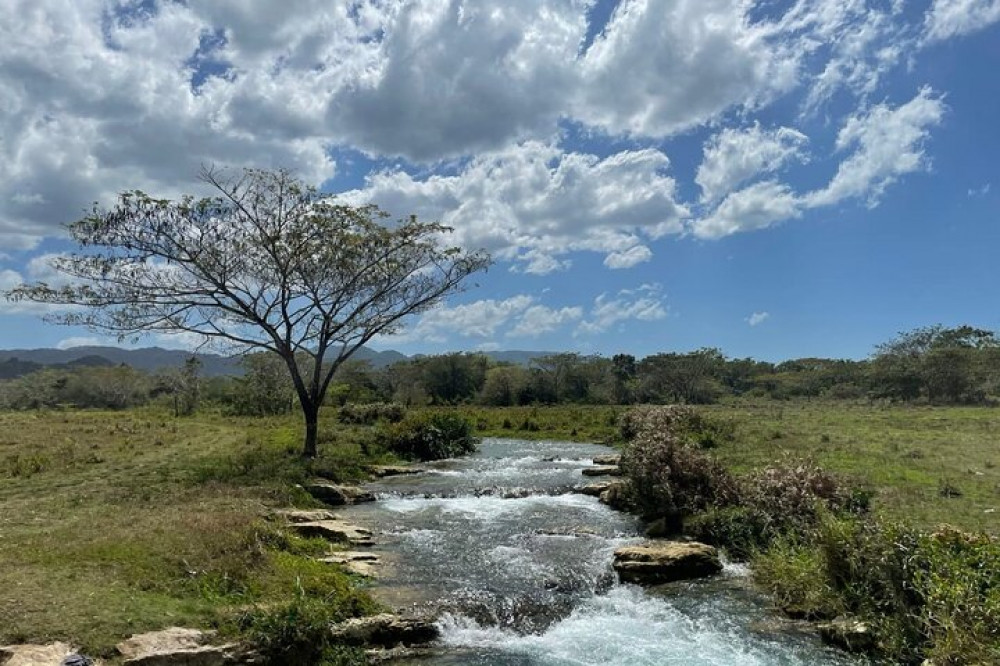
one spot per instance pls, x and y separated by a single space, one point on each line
431 436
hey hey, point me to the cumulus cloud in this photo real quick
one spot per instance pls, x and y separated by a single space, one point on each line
755 207
539 319
662 66
757 318
888 143
532 203
81 341
952 18
643 304
478 319
734 156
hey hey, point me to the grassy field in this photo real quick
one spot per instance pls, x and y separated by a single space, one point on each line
114 523
929 464
117 522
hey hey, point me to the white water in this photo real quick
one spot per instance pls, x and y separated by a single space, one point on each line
527 581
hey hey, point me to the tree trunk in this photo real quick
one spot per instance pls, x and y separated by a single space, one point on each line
311 413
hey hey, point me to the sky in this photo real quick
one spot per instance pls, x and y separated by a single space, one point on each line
778 179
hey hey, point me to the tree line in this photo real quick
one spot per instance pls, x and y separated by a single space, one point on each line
934 364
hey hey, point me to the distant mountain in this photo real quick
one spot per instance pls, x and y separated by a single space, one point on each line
18 362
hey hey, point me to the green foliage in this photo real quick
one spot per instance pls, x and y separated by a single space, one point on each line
265 389
926 596
371 413
431 436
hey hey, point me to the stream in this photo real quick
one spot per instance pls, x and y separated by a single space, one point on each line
518 569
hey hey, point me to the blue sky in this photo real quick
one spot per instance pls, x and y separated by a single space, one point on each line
776 179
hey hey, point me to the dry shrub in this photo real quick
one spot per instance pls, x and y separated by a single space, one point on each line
669 475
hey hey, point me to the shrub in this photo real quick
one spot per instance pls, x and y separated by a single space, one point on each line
742 531
431 437
371 413
669 475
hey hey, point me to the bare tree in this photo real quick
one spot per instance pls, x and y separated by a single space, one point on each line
266 263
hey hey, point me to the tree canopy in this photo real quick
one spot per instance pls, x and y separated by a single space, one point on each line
267 263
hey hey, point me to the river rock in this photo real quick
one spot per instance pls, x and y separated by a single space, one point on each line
52 654
338 495
847 633
306 515
602 470
335 530
608 459
394 470
356 562
385 630
664 561
617 495
593 489
177 646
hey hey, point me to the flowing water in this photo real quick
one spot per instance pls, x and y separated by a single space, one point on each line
519 571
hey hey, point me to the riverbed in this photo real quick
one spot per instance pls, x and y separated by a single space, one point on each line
518 569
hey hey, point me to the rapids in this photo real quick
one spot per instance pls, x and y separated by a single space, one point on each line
519 571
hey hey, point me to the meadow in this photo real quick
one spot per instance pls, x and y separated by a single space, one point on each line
113 523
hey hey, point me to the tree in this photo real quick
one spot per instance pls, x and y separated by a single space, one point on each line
184 386
267 263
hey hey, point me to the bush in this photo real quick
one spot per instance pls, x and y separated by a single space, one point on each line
431 437
669 475
742 531
372 413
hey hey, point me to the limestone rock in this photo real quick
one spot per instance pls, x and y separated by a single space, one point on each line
305 515
338 495
335 530
602 470
34 655
593 489
394 470
356 562
664 561
608 459
616 495
385 630
847 633
177 646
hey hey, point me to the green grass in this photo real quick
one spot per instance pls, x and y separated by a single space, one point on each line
113 523
907 455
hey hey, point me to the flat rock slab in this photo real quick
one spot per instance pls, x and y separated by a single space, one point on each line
593 489
338 495
37 655
608 459
394 470
306 515
385 630
665 561
356 562
335 530
176 646
602 470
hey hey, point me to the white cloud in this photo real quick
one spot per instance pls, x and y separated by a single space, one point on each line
734 156
629 258
532 203
888 143
952 18
979 191
81 341
539 319
662 66
755 207
757 318
643 304
478 319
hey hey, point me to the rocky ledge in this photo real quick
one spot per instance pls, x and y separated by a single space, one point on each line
53 654
658 562
338 495
178 646
602 470
335 530
385 630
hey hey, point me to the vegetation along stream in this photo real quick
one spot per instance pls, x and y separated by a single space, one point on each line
518 568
